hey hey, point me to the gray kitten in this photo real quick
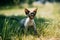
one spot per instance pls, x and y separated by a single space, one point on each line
29 21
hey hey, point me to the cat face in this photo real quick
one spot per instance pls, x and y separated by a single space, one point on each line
30 14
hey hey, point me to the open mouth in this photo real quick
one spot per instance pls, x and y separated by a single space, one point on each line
31 17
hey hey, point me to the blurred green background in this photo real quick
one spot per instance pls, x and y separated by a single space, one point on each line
8 4
47 19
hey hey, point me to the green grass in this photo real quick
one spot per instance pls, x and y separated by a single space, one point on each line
47 27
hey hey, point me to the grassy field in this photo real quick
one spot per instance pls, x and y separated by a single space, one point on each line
47 22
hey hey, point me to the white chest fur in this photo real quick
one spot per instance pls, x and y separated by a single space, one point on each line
29 22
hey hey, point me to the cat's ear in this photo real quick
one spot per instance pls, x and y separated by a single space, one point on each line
26 11
35 11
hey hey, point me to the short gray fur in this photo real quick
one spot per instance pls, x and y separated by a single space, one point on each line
22 22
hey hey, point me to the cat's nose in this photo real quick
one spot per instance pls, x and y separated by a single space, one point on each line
31 14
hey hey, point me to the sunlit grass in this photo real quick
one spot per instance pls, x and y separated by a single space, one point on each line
48 24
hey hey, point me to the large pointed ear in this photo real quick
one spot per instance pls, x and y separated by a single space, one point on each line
26 11
35 10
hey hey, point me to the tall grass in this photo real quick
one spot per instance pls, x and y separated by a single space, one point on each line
46 27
